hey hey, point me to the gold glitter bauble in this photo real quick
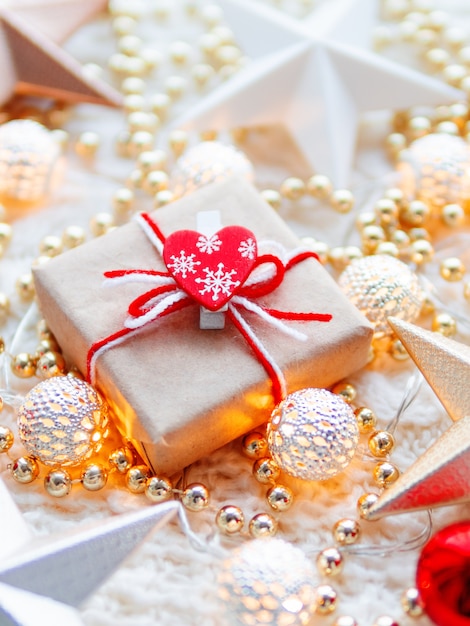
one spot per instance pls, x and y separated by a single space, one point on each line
208 162
381 286
268 581
312 434
62 421
435 169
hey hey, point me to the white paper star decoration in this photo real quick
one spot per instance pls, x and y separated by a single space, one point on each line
316 77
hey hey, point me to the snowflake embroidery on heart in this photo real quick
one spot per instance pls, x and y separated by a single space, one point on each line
247 248
209 244
218 281
183 264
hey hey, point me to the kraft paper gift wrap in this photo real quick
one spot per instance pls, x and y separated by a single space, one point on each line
177 391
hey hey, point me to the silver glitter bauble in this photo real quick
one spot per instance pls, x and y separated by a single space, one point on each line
381 286
62 421
208 162
312 434
30 163
267 581
436 169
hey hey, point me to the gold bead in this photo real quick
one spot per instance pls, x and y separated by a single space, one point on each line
2 350
179 52
87 144
293 188
101 223
415 214
351 253
371 236
140 141
129 45
159 104
266 470
43 331
319 186
25 469
132 103
400 238
123 144
58 483
418 127
178 142
255 445
121 459
124 25
135 179
230 519
163 197
133 85
6 436
4 307
454 74
262 525
428 306
385 620
346 391
142 121
46 345
452 215
50 364
342 200
421 251
366 218
466 291
448 128
337 258
330 562
122 200
345 620
73 236
325 599
411 603
136 478
419 233
202 73
398 351
211 14
280 498
381 443
225 35
6 233
94 477
365 503
23 365
152 160
385 474
438 58
395 143
158 489
151 59
195 497
155 181
346 532
320 248
175 86
272 197
387 247
452 269
444 324
387 212
25 287
366 419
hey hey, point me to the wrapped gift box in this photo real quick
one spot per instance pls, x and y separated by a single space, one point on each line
180 392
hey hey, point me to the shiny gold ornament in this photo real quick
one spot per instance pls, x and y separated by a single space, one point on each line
382 286
87 145
195 497
2 350
386 211
156 180
230 519
272 197
444 324
415 214
136 478
202 73
411 603
175 87
25 469
206 163
23 365
50 364
435 169
395 144
365 503
325 599
101 223
293 188
6 436
452 269
346 532
267 581
266 470
163 197
346 391
158 489
73 236
25 287
319 186
330 562
152 160
441 475
381 443
452 215
62 421
58 483
342 200
280 498
123 200
255 445
385 474
160 104
262 525
421 252
366 419
140 141
312 434
94 477
121 459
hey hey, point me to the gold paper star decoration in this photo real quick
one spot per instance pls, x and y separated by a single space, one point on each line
33 65
441 476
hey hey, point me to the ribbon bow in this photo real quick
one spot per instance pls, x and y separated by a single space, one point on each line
171 291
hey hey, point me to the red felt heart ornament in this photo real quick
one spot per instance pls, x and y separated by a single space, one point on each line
211 269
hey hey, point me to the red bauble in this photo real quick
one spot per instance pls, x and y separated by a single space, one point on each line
443 576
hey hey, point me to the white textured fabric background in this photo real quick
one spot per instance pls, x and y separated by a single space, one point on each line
167 582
